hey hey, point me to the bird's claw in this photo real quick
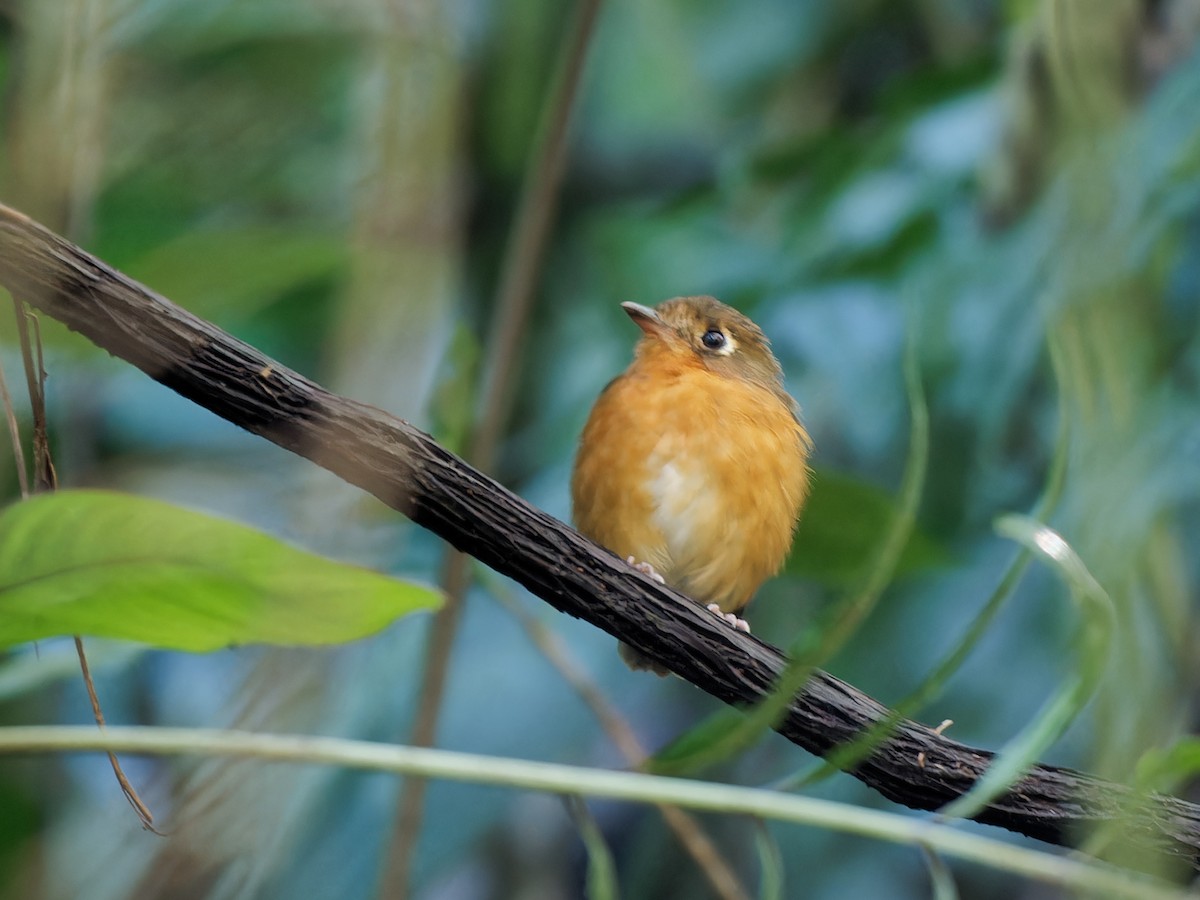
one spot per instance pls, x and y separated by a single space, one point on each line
646 569
736 621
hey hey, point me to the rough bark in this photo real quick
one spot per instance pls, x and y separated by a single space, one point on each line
409 471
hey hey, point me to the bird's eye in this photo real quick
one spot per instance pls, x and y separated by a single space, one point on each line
713 339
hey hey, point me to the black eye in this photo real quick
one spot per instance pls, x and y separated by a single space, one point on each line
713 339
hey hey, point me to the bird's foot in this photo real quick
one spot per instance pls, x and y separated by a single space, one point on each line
646 569
736 621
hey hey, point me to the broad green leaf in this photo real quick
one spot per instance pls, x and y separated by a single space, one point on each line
118 566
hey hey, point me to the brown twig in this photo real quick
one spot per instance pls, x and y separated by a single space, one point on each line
408 470
46 479
14 432
523 257
143 811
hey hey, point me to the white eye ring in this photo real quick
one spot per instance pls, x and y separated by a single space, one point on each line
718 342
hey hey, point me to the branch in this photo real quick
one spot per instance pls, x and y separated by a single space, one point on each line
409 471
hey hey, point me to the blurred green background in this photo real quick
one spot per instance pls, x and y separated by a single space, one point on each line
1014 188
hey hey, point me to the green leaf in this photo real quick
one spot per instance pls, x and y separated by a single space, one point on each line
842 529
1096 623
452 405
770 861
118 566
932 685
1166 769
941 879
239 269
896 535
721 734
602 868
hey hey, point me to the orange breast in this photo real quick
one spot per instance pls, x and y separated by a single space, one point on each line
700 475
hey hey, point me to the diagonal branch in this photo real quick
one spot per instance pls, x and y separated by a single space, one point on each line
409 471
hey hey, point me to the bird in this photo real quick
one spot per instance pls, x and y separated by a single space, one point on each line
693 463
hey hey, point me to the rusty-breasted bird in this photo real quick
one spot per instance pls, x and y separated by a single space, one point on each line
693 462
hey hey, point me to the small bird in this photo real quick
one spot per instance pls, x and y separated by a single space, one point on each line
693 464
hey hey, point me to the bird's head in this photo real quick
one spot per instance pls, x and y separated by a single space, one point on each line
705 331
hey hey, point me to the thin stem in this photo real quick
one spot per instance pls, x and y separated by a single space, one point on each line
690 833
46 479
523 256
14 432
514 300
539 776
143 811
397 876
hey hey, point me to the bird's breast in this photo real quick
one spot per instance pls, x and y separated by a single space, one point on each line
705 478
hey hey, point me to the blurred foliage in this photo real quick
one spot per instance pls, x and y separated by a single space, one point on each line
334 181
844 521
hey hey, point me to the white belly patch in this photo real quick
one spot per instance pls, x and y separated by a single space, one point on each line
679 492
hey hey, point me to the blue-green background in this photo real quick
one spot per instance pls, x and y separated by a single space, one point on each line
335 182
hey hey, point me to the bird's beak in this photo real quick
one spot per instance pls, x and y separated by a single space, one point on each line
646 319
